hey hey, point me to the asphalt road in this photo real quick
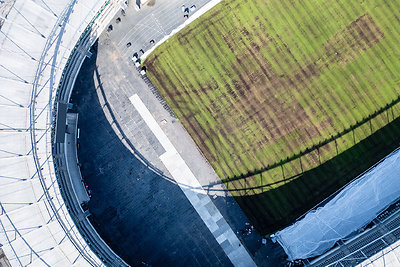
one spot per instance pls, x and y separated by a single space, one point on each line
152 22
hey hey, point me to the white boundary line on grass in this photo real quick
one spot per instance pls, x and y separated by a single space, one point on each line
196 15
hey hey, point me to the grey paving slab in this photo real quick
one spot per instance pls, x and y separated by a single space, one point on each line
225 244
220 222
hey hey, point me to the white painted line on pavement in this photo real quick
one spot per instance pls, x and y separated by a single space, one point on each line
194 192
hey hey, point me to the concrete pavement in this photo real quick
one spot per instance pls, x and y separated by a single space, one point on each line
137 206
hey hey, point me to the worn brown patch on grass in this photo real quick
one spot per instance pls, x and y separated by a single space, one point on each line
361 35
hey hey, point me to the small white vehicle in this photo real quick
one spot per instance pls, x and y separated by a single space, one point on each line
192 8
135 57
183 8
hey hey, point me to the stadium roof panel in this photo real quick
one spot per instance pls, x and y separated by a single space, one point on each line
390 256
35 225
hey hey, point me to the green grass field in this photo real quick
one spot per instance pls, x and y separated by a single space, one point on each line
288 100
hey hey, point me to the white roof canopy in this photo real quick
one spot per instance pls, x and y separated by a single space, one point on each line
35 226
354 207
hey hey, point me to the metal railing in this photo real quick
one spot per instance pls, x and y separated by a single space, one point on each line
364 245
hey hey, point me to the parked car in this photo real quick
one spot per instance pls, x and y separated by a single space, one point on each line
135 57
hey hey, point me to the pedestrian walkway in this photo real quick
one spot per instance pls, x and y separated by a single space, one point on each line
132 188
194 192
